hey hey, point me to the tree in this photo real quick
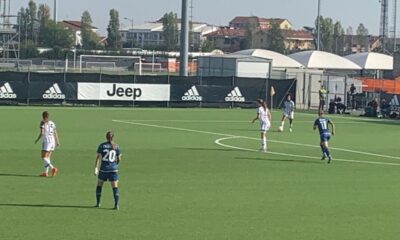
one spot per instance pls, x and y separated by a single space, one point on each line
275 39
90 40
56 37
114 35
326 33
43 17
362 30
33 22
349 30
23 21
251 29
170 31
207 46
338 36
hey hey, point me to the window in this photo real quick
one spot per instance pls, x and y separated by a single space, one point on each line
227 41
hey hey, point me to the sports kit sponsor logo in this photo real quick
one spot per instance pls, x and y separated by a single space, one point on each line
124 91
192 95
130 92
54 92
235 96
6 92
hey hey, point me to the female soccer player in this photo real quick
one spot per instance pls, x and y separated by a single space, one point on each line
322 123
110 156
264 115
50 141
288 112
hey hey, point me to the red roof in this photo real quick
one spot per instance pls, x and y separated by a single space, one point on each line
228 32
246 20
76 25
297 34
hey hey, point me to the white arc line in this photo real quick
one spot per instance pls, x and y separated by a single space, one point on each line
219 142
251 138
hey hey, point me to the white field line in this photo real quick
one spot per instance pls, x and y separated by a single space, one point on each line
220 121
219 142
251 138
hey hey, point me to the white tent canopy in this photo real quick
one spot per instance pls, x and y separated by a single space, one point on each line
372 61
278 60
324 60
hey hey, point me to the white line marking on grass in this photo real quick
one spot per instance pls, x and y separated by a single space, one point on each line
217 121
252 138
219 142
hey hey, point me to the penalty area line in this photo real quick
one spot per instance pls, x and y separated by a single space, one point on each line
251 138
220 140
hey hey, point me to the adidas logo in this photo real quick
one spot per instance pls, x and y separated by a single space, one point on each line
394 101
192 95
54 92
6 92
235 96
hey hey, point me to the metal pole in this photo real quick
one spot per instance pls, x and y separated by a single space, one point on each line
55 11
395 26
183 69
318 25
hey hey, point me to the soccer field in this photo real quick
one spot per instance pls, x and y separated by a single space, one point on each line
197 174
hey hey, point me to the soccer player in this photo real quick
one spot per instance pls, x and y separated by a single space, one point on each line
323 126
288 112
50 141
264 116
110 155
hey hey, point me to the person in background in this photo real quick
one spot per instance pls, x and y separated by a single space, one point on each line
322 97
352 97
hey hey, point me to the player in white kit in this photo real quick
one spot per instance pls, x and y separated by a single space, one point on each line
288 112
264 116
50 141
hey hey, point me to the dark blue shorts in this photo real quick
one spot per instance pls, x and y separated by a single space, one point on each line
108 176
325 137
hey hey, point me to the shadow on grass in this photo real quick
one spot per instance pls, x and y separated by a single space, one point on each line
17 175
50 206
282 160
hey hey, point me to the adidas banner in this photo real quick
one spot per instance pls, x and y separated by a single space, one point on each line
212 93
53 91
124 92
12 90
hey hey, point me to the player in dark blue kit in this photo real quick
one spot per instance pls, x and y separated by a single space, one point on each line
323 126
110 156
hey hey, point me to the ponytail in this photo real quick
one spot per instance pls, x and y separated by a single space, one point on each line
110 139
262 103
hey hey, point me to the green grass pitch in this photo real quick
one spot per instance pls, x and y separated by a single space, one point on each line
176 182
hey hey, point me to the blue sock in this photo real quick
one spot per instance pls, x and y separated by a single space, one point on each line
98 194
327 152
323 149
116 196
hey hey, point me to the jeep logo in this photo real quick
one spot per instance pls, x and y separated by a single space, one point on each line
125 92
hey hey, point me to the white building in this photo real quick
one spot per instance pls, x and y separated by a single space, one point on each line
151 33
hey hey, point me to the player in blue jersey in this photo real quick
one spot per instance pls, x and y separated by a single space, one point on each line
110 156
322 124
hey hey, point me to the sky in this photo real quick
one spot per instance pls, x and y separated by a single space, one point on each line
219 12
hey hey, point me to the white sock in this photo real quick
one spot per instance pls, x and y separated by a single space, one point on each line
264 143
47 165
283 123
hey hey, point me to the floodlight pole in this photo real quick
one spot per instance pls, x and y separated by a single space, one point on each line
319 25
184 55
55 11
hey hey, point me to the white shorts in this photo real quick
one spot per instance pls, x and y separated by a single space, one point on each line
48 146
264 126
289 115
